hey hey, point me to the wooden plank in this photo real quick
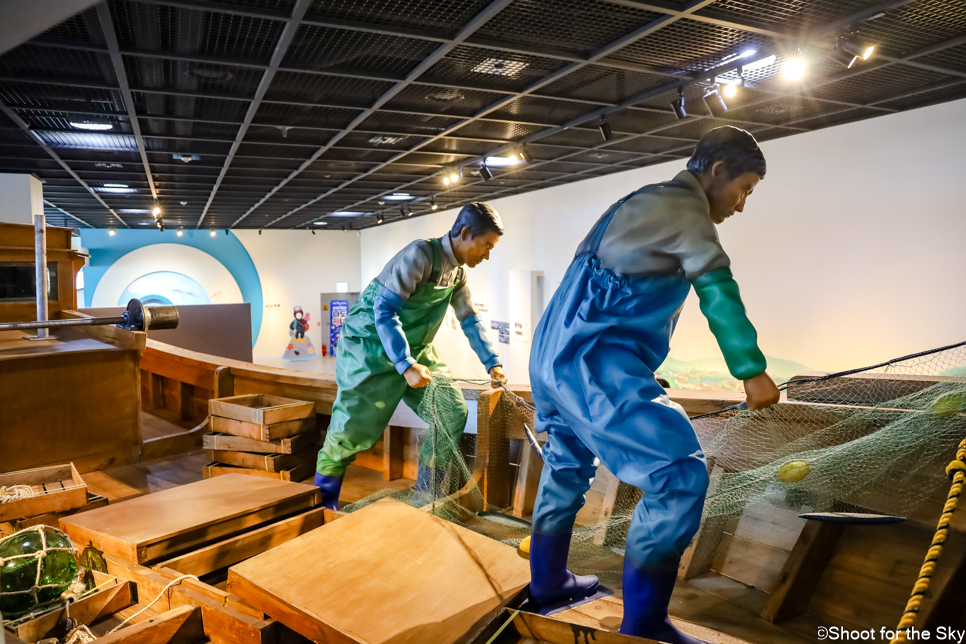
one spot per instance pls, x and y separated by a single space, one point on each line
85 610
166 523
164 446
289 445
120 338
224 383
267 462
528 627
296 474
393 452
47 498
231 551
182 625
262 409
52 519
150 584
802 570
259 432
528 482
416 555
153 396
749 562
167 364
491 444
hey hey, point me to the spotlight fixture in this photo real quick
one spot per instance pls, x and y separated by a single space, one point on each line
605 130
678 105
847 52
485 173
843 57
212 233
313 231
714 102
259 231
379 220
857 49
111 232
405 210
730 90
525 155
794 69
156 212
432 203
226 231
452 175
180 232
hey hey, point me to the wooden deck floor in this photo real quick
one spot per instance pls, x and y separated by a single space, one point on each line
711 607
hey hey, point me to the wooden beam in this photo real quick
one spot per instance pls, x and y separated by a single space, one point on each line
231 551
154 395
802 571
393 452
491 449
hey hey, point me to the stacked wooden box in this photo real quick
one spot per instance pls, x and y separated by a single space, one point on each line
262 435
56 491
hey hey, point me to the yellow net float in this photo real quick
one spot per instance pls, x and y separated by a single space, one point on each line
525 545
793 471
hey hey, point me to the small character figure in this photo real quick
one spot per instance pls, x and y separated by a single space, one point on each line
300 347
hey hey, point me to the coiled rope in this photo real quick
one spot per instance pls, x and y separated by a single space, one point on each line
956 470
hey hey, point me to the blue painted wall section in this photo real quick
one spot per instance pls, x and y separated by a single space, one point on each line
227 249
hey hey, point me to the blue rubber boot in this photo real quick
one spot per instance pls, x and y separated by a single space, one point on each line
330 486
646 596
550 581
429 483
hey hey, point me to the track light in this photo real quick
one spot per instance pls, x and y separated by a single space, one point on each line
433 204
843 57
111 232
857 49
405 210
604 128
379 220
212 233
452 175
730 90
313 231
485 173
678 105
156 212
180 232
259 231
714 102
794 69
525 155
226 231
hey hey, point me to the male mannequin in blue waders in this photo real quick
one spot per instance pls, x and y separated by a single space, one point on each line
385 353
592 364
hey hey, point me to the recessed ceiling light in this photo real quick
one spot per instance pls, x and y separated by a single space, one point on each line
346 213
499 162
115 185
499 67
137 211
321 223
187 158
119 191
88 125
398 196
446 96
386 140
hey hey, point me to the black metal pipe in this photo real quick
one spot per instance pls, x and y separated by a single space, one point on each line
49 324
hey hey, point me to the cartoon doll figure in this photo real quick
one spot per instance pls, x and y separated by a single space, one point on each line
299 347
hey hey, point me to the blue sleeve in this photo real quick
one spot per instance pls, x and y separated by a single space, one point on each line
386 312
475 332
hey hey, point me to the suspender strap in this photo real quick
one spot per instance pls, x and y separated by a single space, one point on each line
437 261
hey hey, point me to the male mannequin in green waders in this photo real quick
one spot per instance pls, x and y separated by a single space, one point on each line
385 353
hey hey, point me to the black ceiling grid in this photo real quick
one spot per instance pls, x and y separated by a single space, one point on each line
338 126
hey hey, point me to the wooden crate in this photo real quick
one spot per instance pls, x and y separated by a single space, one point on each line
230 442
267 462
167 523
296 474
57 488
263 433
261 409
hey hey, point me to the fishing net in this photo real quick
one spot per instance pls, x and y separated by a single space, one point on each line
870 440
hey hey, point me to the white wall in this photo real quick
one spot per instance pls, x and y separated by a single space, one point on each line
294 267
851 251
23 197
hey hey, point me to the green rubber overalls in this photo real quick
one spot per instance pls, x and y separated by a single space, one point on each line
370 388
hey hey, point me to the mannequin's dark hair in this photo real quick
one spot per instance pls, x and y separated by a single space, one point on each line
480 218
737 148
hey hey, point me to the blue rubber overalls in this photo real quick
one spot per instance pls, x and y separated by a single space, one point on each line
592 369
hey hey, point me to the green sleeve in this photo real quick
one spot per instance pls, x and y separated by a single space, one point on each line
721 304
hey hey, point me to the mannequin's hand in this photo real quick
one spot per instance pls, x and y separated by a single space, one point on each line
418 376
496 374
761 392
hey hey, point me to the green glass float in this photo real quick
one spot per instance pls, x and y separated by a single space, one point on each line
37 565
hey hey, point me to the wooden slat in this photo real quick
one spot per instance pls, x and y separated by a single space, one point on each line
298 473
181 625
274 463
528 482
393 453
260 432
290 445
231 551
261 409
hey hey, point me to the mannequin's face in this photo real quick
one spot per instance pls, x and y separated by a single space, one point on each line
298 316
727 195
473 250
